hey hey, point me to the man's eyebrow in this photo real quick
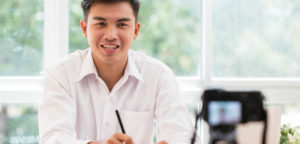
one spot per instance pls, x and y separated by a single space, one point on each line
123 19
99 18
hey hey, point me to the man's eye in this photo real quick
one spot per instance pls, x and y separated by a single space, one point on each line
101 24
123 24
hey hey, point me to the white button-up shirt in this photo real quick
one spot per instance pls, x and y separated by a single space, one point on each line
78 107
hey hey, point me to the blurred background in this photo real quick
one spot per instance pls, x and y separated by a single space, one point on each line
246 44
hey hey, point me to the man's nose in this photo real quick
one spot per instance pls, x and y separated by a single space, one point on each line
111 33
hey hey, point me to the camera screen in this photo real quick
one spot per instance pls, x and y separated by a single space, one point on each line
224 112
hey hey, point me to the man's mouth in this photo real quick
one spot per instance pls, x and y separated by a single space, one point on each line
106 46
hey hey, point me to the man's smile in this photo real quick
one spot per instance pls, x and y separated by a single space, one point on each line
110 46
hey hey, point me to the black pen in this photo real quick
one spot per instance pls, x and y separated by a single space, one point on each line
120 122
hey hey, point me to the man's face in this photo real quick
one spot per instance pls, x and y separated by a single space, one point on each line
110 30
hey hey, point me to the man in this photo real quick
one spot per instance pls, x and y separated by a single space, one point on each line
82 92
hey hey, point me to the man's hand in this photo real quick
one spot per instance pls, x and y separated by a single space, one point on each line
162 142
118 138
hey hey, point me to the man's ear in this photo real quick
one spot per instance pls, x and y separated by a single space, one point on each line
83 25
137 30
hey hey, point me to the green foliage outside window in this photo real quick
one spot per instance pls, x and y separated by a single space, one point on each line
18 124
256 38
21 37
290 135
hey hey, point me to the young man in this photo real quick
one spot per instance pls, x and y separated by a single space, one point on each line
82 92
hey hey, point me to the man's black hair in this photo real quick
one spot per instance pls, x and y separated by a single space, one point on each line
86 5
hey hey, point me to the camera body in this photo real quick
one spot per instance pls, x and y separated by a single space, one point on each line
223 110
233 106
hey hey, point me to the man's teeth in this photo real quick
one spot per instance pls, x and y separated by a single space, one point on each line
110 46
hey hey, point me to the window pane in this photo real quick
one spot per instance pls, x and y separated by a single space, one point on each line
290 113
76 39
170 31
19 124
256 38
21 37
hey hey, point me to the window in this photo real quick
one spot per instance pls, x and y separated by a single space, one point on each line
253 45
76 41
21 37
18 124
256 38
290 113
21 62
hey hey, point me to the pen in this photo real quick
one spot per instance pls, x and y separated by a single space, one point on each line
120 122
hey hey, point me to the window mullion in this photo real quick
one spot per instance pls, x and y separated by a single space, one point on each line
56 30
206 55
207 44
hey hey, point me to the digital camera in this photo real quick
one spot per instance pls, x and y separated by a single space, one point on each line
223 110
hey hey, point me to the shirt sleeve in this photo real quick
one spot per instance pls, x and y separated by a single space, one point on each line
173 122
57 114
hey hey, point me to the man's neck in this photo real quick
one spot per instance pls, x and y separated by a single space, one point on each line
111 73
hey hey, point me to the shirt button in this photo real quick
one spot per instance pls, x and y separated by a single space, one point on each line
106 123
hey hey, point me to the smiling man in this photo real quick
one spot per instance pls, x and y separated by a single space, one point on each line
83 91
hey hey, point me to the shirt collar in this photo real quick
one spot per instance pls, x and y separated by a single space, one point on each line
88 67
131 68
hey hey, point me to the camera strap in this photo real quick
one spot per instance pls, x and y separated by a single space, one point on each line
265 127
